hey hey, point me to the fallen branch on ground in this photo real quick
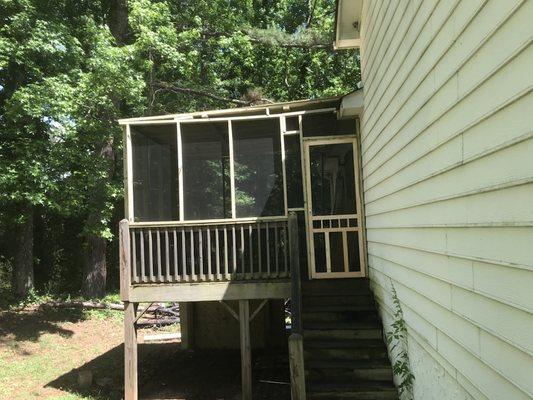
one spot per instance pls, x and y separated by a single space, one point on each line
90 305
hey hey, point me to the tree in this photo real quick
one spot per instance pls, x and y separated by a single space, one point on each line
37 55
99 126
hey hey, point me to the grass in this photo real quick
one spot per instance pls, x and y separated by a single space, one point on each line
43 350
40 348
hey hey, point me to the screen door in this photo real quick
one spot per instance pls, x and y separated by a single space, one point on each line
333 208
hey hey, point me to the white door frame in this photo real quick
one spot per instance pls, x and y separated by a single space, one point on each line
312 220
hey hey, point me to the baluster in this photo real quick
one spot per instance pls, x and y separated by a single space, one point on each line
285 250
176 272
243 269
226 252
193 269
201 254
234 248
217 251
167 256
150 256
209 270
276 246
258 249
143 260
250 245
267 248
159 273
184 275
134 257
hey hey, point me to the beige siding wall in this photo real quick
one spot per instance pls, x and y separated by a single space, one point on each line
447 156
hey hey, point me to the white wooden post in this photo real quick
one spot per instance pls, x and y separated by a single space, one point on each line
130 352
125 259
246 357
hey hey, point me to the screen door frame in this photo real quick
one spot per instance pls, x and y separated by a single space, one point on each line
311 219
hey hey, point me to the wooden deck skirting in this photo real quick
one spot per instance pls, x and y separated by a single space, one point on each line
211 291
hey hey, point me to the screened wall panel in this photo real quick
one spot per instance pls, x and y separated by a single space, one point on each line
258 168
332 179
327 124
206 171
293 167
155 175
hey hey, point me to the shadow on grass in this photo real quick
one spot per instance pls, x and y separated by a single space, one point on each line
30 325
167 372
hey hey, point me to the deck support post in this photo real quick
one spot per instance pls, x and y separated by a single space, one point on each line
296 361
130 352
187 325
296 343
246 356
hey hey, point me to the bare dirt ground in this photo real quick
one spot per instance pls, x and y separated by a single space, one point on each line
42 353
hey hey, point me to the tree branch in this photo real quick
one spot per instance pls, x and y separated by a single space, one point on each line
204 93
307 39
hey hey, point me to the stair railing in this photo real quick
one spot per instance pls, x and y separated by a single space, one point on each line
296 355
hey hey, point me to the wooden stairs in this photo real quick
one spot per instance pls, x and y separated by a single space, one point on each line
345 356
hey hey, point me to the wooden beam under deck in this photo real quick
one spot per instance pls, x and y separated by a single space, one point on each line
210 291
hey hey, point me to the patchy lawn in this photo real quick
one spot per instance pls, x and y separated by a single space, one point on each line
38 347
42 353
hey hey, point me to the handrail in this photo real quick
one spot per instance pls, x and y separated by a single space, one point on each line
206 222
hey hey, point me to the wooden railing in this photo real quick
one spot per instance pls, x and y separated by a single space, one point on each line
209 252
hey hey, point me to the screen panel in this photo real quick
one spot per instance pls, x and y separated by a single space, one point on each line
258 168
154 172
332 179
293 167
327 124
206 171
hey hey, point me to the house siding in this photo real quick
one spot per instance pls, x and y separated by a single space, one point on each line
447 170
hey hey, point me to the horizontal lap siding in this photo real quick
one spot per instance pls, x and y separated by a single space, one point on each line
447 156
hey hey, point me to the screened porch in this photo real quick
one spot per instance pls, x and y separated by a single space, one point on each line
208 194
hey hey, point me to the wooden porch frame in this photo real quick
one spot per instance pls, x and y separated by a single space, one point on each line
128 160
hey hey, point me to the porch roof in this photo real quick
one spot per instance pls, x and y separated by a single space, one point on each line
263 109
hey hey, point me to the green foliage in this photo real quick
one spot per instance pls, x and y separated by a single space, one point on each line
397 341
104 314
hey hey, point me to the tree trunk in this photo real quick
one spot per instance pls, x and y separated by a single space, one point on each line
23 262
95 272
118 20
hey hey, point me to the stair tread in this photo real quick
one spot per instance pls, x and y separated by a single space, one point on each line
352 325
346 287
351 385
343 343
352 364
356 302
335 292
338 308
339 316
336 282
